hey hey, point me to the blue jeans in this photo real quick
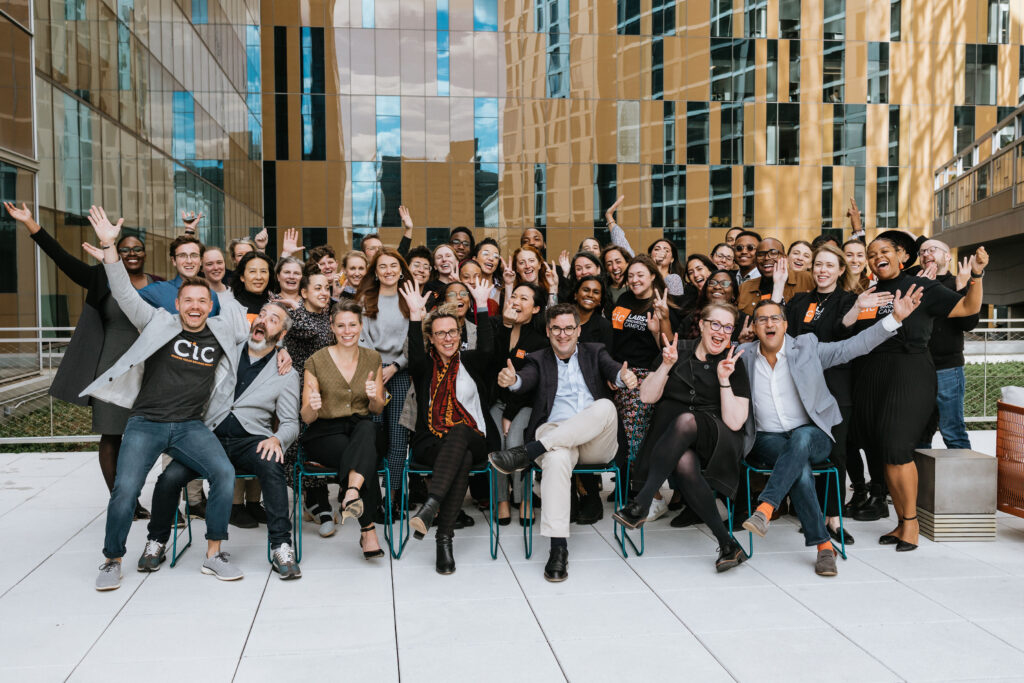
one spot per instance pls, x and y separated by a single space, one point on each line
790 456
192 444
951 408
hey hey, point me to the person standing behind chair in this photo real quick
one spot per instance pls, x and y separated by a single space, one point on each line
342 388
454 430
573 421
794 412
385 326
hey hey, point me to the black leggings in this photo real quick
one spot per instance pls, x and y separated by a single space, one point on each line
451 459
673 451
351 448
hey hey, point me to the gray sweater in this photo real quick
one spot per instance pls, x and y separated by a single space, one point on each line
388 332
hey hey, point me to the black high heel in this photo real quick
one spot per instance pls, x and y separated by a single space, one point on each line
369 554
354 508
906 546
424 517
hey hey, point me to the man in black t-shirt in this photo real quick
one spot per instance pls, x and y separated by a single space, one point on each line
167 377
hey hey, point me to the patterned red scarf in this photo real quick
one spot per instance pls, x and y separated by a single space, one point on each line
445 410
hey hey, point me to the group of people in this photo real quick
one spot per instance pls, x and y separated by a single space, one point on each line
454 358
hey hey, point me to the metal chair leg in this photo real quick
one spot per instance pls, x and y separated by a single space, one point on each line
175 553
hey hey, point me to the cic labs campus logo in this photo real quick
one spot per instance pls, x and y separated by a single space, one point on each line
190 352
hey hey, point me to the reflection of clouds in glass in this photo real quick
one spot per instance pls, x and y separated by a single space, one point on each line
368 7
389 141
364 171
486 106
487 139
485 15
365 204
389 105
442 15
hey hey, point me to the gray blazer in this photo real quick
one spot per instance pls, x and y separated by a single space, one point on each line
121 383
269 394
807 360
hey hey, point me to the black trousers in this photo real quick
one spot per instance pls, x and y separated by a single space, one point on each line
350 445
451 458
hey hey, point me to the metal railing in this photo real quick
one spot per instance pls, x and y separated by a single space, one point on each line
29 358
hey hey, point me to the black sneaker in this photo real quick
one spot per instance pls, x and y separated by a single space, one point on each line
257 512
241 518
630 516
284 563
729 556
510 460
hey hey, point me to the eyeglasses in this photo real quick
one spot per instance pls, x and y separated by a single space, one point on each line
932 250
774 253
763 319
131 250
451 296
744 247
188 257
719 327
446 334
559 331
720 284
460 243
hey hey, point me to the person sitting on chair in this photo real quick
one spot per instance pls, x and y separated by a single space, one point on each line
243 423
573 421
790 428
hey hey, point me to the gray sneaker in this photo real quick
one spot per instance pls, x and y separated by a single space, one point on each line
326 520
826 563
219 566
110 576
757 523
284 563
152 556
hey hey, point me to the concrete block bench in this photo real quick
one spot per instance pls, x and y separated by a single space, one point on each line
956 494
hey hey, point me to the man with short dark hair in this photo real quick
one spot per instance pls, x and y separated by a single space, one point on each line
535 238
243 422
371 245
789 427
745 247
573 421
167 377
775 282
463 242
187 257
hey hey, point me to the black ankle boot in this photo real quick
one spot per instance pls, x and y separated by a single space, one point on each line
859 497
445 555
875 507
424 517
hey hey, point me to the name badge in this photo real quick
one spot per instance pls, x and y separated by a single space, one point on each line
520 353
809 316
765 297
868 313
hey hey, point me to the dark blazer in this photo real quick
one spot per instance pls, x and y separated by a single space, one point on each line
540 376
80 364
477 363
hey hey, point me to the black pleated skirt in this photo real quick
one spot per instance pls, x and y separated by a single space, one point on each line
893 398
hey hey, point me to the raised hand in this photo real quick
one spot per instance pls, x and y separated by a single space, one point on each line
963 274
551 277
669 352
270 449
869 298
930 271
23 216
904 305
403 213
727 365
191 220
563 261
747 333
371 386
654 324
416 301
507 375
853 213
481 291
781 273
106 232
508 275
609 214
980 259
93 250
261 239
291 243
661 306
628 377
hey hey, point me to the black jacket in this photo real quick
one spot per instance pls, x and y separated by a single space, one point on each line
540 376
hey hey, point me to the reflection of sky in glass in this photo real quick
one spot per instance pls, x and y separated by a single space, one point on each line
442 15
367 13
365 204
252 60
390 105
364 172
183 145
485 15
389 126
485 128
442 62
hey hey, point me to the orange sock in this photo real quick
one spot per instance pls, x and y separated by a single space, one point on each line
827 545
767 509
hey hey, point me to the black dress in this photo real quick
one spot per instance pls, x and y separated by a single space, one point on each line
692 387
896 386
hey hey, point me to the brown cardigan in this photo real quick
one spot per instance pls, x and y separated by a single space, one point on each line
750 291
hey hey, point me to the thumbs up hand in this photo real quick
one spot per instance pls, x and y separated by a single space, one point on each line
628 377
371 386
507 376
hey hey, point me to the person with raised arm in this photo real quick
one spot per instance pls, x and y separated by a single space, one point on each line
454 430
776 282
103 334
573 420
661 251
166 378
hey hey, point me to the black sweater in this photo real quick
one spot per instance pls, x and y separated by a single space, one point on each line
947 342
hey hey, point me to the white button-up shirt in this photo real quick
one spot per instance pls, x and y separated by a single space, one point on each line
776 403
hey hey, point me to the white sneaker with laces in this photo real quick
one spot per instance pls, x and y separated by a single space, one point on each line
659 506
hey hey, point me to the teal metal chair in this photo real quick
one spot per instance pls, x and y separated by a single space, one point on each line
304 470
621 535
175 552
830 472
405 531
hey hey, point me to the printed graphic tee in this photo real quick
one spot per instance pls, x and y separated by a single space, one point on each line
178 378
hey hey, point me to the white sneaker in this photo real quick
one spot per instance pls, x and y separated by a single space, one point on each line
659 506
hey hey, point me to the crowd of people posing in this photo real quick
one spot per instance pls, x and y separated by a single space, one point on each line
454 358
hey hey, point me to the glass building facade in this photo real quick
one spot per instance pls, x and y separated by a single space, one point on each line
705 114
148 108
